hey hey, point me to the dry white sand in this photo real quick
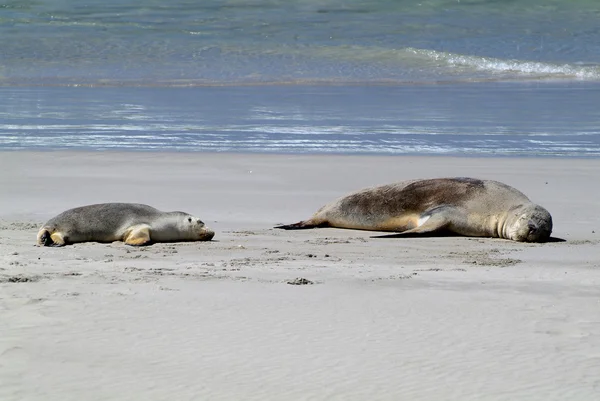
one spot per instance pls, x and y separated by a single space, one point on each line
386 319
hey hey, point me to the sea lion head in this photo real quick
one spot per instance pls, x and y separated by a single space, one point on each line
530 223
193 228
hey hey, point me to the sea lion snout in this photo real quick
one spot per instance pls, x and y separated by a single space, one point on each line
207 234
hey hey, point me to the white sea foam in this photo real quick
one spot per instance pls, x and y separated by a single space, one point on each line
515 67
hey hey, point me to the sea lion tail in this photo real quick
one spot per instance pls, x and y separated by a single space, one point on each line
302 225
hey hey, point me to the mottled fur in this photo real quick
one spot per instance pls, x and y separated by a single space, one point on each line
135 224
464 206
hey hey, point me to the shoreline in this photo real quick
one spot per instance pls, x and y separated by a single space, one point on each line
307 154
433 318
53 82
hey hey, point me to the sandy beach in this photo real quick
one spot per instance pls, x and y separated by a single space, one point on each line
439 318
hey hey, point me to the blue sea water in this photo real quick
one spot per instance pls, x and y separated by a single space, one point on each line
477 77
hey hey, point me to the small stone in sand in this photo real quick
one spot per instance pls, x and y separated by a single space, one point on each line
300 281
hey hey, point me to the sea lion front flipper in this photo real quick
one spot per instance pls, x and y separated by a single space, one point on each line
432 224
434 220
137 235
48 237
57 239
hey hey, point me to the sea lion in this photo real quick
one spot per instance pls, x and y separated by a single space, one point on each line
465 206
132 223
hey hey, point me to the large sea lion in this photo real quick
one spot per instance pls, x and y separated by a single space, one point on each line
465 206
132 223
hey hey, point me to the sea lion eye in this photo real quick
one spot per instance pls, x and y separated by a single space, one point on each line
189 219
532 227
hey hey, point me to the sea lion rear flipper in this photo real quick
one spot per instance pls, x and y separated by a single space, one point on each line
46 238
43 238
302 225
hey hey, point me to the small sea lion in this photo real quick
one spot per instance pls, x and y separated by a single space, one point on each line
132 223
465 206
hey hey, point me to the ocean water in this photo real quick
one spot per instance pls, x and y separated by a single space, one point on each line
470 77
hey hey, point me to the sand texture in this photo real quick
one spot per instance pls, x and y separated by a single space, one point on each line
264 314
